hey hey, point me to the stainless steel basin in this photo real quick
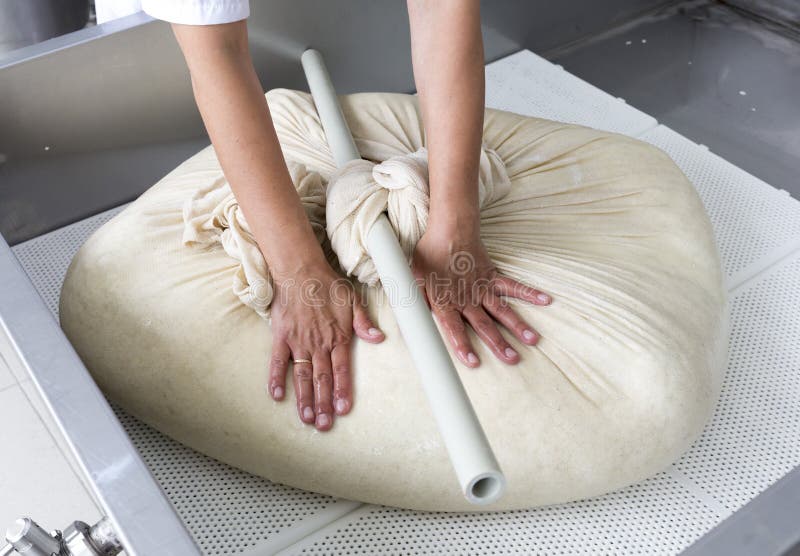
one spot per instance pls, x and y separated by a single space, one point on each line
24 22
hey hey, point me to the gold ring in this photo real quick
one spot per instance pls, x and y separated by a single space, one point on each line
296 361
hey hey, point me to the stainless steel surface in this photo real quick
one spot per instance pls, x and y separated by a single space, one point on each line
146 522
104 537
28 538
767 526
79 539
112 126
712 74
98 540
113 104
79 108
783 12
24 22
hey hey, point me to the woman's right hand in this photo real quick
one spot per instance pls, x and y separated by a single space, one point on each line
314 314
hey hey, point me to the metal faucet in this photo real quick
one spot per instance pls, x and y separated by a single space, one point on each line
27 538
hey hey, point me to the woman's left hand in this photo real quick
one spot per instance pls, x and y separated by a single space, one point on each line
463 286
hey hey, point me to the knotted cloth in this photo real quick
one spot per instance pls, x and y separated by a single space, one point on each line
363 190
624 377
357 195
212 215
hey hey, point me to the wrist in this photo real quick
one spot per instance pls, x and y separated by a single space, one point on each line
292 266
455 223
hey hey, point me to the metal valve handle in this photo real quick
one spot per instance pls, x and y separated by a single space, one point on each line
26 537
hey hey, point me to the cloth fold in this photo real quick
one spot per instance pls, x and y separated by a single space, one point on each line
212 216
362 190
356 196
624 377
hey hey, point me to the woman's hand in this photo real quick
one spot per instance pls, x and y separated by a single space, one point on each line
314 314
462 284
460 280
315 311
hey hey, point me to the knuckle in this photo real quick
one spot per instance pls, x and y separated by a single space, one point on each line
455 324
323 378
278 364
493 337
303 372
342 337
340 370
485 324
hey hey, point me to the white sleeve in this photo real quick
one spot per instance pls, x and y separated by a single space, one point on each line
197 12
106 10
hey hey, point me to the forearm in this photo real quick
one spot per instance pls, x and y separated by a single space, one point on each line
447 54
237 118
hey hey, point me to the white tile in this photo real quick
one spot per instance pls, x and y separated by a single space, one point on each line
6 378
35 399
35 478
8 363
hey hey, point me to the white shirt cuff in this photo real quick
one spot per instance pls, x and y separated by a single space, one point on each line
197 12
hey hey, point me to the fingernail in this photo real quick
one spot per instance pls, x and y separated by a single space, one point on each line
528 335
341 405
277 392
510 353
543 297
472 359
323 420
374 332
308 413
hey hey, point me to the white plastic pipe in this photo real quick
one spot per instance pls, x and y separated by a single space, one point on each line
472 458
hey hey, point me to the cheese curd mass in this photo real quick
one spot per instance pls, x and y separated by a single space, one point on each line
168 306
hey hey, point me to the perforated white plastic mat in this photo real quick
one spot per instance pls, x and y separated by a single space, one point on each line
752 440
227 510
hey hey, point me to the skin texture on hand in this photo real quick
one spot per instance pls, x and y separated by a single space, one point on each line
316 325
314 320
460 281
447 53
462 284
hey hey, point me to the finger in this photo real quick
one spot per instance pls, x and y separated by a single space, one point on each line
363 325
506 316
342 384
278 364
419 279
503 285
423 292
303 386
487 330
323 390
456 333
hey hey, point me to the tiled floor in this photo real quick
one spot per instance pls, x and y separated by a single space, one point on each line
38 478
